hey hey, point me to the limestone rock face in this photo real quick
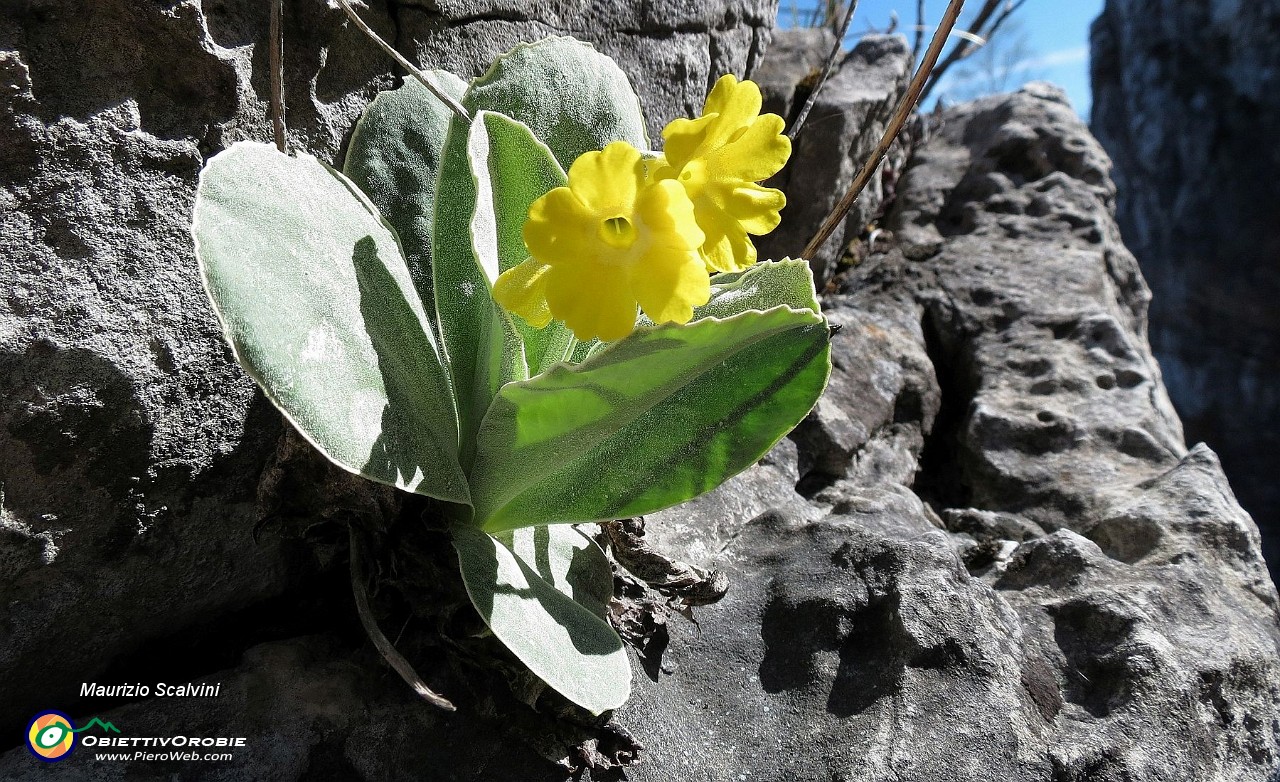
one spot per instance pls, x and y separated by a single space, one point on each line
131 445
844 125
671 49
1185 103
1016 567
987 554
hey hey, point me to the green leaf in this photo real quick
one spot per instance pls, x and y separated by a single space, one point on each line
395 157
655 419
483 347
512 170
575 100
567 559
316 300
765 285
563 642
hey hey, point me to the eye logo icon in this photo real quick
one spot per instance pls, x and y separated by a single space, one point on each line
51 736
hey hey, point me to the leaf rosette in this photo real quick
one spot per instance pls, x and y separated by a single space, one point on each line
512 313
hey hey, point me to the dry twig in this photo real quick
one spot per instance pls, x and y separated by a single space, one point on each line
986 23
692 585
900 116
427 80
385 647
919 39
275 60
826 71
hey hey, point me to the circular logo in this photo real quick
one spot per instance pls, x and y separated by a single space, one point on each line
50 736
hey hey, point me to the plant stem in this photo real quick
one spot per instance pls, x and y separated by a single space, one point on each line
900 115
422 76
984 25
826 71
919 39
569 347
275 60
385 647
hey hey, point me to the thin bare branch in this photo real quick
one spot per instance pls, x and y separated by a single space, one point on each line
900 116
385 647
1009 9
983 25
965 34
826 71
964 48
427 80
275 60
919 39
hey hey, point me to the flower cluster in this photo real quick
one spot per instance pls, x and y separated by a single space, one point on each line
633 231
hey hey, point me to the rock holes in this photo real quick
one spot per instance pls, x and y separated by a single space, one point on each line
1091 636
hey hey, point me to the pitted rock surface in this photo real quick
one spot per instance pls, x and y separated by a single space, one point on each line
1020 572
986 555
1185 103
131 445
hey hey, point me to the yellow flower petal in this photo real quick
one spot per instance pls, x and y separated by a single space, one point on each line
607 180
543 231
731 107
757 152
671 279
718 159
522 289
755 207
727 247
736 101
683 137
593 300
666 209
670 283
610 241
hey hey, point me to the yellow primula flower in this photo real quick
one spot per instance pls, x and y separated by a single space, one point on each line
610 241
719 158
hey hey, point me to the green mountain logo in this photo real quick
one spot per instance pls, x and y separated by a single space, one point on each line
106 726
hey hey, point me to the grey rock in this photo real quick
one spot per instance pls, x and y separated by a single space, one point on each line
866 657
1055 397
697 530
1096 580
846 122
308 707
131 445
1185 103
881 399
796 57
672 51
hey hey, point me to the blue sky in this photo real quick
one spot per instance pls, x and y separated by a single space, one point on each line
1056 34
